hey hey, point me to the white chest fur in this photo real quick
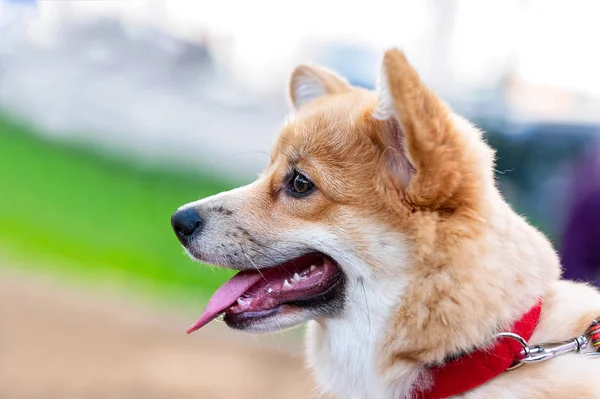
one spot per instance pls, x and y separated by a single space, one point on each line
343 351
342 360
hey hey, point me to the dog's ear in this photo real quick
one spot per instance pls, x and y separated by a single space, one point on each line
309 82
428 152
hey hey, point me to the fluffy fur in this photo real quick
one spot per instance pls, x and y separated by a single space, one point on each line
436 261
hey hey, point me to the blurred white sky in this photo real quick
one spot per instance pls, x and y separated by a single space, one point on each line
546 42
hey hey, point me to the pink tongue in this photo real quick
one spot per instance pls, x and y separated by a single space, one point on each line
226 296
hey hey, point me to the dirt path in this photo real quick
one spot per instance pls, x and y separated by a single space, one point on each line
56 343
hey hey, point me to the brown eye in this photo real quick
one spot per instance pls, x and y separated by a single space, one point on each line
300 185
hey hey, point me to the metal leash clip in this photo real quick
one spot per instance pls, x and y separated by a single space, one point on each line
543 352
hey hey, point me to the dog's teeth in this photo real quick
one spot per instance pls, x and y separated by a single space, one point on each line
296 278
241 302
313 268
286 284
270 290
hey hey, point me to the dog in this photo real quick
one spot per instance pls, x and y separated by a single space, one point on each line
379 221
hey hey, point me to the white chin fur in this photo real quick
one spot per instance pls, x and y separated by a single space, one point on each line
343 354
276 323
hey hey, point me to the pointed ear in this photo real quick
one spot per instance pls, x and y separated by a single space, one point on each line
309 82
421 132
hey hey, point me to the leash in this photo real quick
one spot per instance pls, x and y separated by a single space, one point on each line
511 351
541 353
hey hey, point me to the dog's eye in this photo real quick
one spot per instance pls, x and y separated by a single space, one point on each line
300 185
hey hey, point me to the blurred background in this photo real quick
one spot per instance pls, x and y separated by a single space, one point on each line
115 112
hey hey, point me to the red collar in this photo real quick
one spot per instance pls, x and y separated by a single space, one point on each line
476 368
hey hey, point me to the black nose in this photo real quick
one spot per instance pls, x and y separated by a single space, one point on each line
185 223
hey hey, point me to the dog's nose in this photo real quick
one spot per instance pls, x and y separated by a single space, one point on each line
185 223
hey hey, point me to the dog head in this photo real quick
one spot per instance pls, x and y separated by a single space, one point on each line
376 203
379 218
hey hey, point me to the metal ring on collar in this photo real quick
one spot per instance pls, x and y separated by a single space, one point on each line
526 350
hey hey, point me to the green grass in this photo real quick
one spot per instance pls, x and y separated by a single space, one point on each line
71 211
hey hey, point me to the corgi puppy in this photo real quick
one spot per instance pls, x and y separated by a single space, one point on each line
378 220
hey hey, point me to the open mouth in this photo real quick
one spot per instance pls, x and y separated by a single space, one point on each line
253 295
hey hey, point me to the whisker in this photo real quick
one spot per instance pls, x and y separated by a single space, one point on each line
251 261
267 247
